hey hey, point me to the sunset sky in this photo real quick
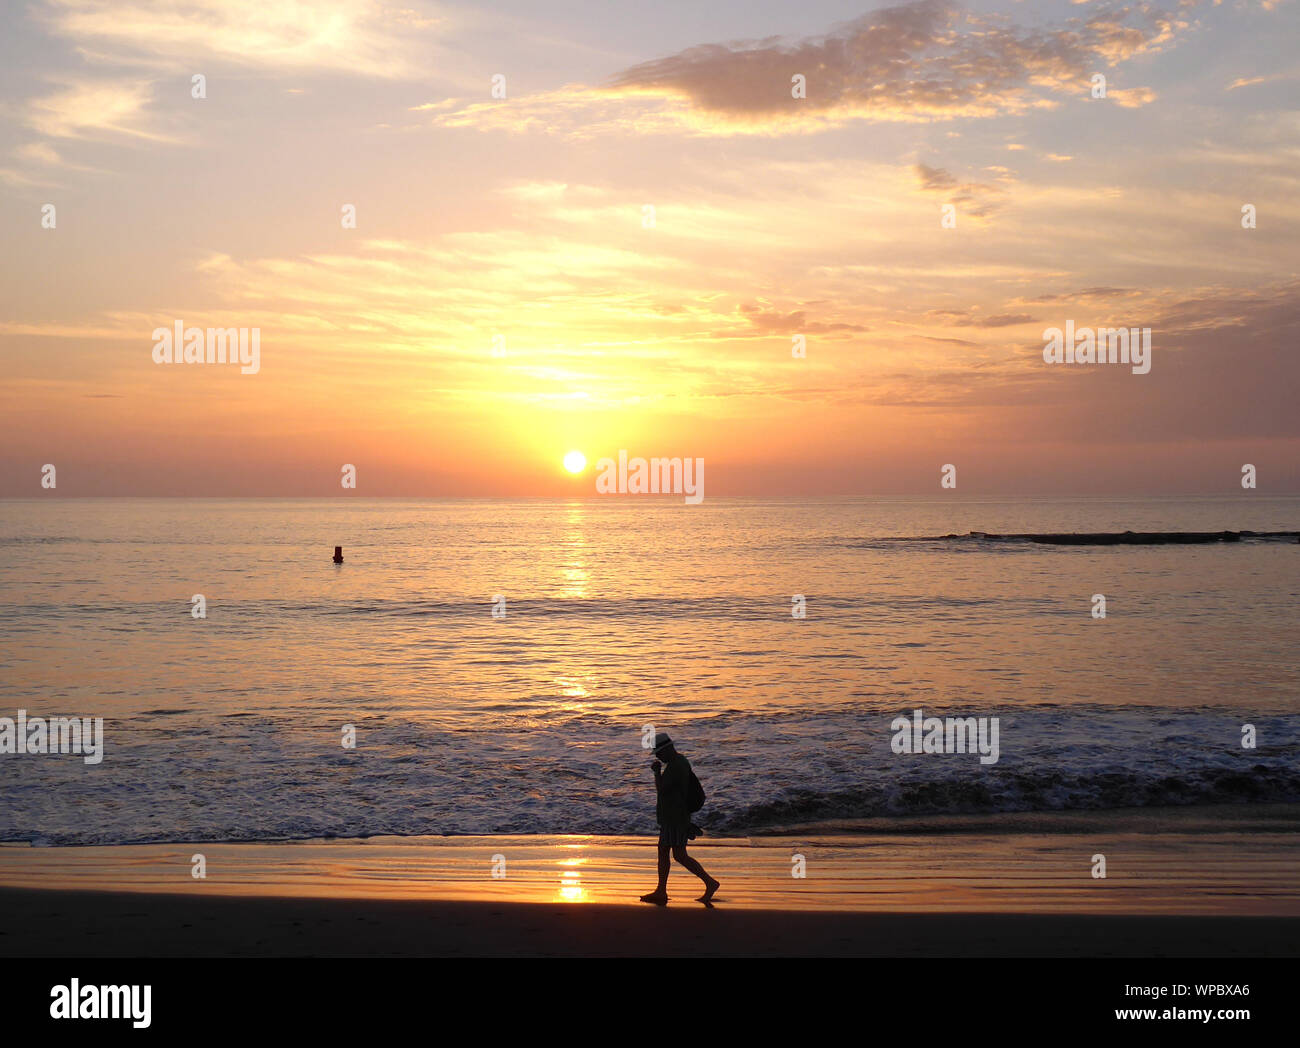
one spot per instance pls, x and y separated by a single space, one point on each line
522 217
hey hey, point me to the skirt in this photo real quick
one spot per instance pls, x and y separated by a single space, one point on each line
676 834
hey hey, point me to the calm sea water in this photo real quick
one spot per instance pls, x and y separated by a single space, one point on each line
623 613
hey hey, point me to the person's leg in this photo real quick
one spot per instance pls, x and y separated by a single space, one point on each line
710 885
679 853
660 894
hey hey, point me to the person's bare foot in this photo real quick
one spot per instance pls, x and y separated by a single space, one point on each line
710 890
659 898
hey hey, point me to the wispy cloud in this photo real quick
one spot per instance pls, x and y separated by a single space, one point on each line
976 199
85 107
319 36
1252 81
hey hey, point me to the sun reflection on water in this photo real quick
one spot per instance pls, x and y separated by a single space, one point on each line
571 889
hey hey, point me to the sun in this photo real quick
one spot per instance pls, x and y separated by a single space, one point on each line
575 461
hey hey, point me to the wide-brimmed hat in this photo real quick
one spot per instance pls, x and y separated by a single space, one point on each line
662 741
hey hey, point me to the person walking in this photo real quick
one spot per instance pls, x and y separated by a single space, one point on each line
678 794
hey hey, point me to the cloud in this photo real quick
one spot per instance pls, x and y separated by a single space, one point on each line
140 44
1227 351
37 152
351 36
934 179
84 108
921 61
774 322
1087 293
14 177
976 199
972 318
1133 98
1003 320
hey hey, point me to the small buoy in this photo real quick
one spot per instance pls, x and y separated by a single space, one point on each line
338 554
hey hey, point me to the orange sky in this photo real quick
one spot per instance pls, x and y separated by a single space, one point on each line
523 219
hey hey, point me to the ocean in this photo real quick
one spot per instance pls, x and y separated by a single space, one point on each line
623 616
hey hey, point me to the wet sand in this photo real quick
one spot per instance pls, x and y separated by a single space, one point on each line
932 894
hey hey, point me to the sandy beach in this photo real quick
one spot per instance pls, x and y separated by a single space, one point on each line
91 924
936 893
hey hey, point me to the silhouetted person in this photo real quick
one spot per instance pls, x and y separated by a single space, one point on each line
673 813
